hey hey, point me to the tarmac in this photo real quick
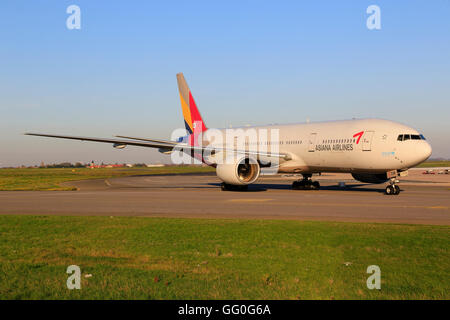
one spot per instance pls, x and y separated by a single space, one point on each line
425 199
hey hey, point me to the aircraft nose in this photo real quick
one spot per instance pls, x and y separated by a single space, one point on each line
426 151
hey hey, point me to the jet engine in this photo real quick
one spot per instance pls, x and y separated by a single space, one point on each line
371 177
119 145
241 172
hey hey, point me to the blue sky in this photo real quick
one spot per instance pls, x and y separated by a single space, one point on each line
246 62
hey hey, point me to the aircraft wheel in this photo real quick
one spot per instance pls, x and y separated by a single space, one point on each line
390 190
310 185
396 189
298 185
316 185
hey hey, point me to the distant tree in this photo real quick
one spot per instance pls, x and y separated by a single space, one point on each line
60 165
139 165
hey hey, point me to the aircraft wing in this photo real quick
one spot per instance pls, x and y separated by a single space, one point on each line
106 140
161 144
208 148
150 140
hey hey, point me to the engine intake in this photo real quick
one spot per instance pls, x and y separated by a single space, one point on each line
241 172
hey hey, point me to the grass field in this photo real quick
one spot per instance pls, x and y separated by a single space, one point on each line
430 164
50 179
156 258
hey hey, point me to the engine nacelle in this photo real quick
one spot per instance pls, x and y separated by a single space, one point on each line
165 151
241 172
119 145
370 177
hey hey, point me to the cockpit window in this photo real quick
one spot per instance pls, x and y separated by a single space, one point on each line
404 137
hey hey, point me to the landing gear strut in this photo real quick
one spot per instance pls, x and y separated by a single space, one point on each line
306 183
392 188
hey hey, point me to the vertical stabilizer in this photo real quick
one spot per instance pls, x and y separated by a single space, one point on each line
191 115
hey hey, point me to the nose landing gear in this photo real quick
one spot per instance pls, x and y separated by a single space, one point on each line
392 188
306 183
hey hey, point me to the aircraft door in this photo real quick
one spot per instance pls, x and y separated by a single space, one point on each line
312 142
367 141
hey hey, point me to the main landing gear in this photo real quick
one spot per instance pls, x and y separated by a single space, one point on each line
306 183
392 188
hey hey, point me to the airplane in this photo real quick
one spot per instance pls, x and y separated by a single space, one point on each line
371 150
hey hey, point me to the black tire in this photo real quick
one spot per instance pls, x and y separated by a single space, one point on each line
304 185
300 185
396 189
389 190
316 185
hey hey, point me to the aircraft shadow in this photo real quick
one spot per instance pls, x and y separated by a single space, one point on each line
258 187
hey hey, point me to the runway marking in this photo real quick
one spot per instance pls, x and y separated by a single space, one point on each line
249 200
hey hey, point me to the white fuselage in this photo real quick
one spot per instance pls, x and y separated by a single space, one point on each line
364 146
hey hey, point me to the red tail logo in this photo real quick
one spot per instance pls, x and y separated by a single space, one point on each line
359 135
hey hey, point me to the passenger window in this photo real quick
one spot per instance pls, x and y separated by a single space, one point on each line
400 137
406 137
